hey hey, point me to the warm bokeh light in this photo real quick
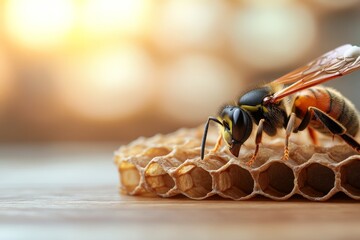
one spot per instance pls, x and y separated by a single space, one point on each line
112 16
182 24
107 84
99 69
39 23
196 86
268 37
6 83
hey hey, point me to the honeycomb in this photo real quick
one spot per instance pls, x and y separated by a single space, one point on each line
169 165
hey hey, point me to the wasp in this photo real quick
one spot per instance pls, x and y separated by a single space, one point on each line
293 102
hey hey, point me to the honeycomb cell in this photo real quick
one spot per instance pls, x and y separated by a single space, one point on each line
158 179
235 182
156 152
129 176
132 150
277 180
194 182
182 156
350 177
316 181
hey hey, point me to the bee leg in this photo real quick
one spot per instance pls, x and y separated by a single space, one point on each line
257 142
289 130
331 124
305 124
351 141
305 121
218 144
313 136
336 128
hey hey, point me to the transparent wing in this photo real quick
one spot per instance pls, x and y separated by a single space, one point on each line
338 62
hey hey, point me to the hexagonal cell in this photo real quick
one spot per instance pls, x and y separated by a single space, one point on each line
316 180
350 177
277 180
158 179
235 182
182 156
194 182
129 176
156 151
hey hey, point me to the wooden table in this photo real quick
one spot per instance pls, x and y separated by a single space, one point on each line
57 191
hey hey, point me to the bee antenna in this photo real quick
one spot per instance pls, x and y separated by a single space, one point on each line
206 132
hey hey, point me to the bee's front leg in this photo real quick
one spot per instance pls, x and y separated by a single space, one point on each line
289 129
258 139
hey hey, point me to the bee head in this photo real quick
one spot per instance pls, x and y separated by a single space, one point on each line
236 128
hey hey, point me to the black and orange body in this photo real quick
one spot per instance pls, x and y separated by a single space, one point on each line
332 103
313 107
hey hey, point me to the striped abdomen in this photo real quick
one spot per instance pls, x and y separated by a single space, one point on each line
331 102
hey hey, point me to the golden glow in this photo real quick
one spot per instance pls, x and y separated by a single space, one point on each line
38 23
6 83
182 24
109 84
273 36
110 16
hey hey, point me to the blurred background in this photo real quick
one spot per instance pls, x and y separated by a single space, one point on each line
107 70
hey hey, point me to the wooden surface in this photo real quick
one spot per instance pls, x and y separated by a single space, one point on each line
71 192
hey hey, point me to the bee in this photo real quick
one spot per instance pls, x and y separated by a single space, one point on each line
316 108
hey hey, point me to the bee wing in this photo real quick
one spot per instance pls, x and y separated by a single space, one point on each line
336 63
